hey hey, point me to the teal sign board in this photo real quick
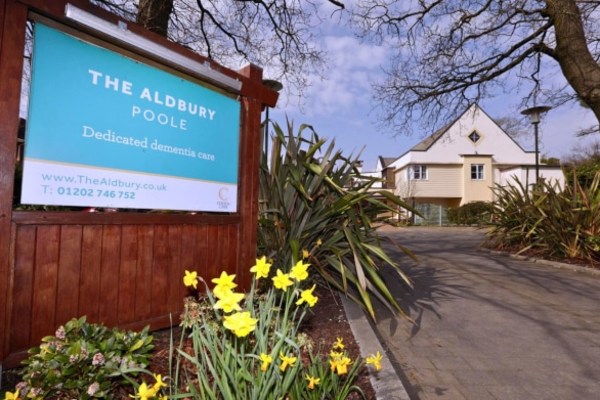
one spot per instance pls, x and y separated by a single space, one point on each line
106 130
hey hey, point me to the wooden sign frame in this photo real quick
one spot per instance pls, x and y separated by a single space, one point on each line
120 269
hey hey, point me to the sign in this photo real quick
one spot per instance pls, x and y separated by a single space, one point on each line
108 131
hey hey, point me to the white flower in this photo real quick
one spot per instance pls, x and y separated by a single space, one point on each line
93 389
60 333
98 359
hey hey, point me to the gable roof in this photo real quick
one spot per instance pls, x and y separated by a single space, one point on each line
426 143
386 161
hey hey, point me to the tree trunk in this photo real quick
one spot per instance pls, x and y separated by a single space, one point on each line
572 53
154 15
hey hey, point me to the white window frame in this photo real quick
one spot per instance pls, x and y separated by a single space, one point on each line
418 172
477 172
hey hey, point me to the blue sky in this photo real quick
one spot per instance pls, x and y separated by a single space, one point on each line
340 107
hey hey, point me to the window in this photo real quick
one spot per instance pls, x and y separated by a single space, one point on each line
477 172
474 136
419 172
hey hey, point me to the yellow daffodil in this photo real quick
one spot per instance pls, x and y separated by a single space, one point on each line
225 281
319 242
312 381
282 281
375 360
339 344
340 365
144 392
12 396
300 271
306 296
190 279
159 383
266 361
228 301
223 284
221 292
262 268
305 253
286 361
240 323
336 354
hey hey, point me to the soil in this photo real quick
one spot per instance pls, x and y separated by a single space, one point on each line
541 254
326 323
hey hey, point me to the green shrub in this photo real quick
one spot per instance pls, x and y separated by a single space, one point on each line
561 223
475 213
84 361
314 201
583 172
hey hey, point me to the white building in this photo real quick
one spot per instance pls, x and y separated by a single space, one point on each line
461 162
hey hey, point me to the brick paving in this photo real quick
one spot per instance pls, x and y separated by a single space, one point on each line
489 326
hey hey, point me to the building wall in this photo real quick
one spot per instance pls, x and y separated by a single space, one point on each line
526 175
477 190
442 181
445 202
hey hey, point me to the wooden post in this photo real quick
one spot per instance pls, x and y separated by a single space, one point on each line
248 179
12 39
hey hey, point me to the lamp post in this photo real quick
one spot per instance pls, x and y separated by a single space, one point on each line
275 86
534 114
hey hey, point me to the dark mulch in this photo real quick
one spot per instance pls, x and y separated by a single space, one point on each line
541 253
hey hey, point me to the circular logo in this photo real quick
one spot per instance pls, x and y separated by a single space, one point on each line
224 194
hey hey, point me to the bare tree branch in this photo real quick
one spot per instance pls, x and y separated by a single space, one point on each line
447 54
451 54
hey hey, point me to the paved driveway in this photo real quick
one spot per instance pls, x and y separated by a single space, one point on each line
491 327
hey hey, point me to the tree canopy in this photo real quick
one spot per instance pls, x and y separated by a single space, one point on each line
447 54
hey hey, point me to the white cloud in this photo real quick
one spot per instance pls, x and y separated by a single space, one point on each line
352 67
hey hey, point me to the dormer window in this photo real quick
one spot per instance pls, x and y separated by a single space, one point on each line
474 136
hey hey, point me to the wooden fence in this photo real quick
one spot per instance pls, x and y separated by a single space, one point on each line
120 269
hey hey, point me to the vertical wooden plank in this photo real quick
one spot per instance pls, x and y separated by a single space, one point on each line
143 297
160 270
189 247
110 276
174 268
45 277
22 298
91 267
210 263
127 281
2 12
231 239
12 38
69 269
223 251
201 250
